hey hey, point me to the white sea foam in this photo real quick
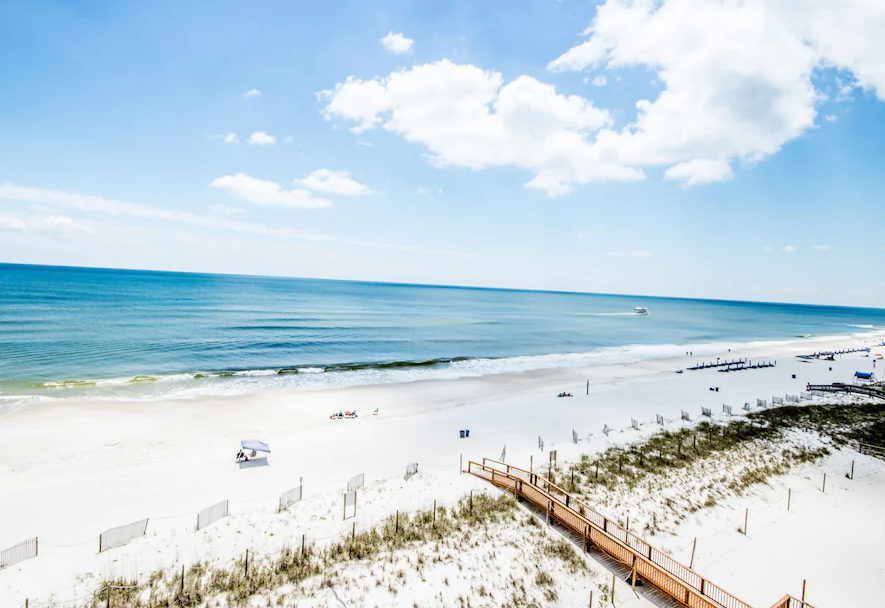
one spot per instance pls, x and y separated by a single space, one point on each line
187 386
256 372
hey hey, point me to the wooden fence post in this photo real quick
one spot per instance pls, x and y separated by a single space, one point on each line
108 604
396 528
434 513
302 545
789 496
247 563
823 488
633 585
746 516
614 577
590 604
852 470
693 547
803 591
532 463
182 582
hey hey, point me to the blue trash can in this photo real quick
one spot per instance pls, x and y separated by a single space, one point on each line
467 433
462 434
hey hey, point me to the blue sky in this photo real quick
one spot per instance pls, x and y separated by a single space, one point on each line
681 149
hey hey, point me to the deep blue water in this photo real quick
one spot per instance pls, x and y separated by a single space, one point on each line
72 332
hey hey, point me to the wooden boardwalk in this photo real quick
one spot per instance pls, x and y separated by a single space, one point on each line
666 582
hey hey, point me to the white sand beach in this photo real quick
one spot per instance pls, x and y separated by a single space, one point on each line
73 469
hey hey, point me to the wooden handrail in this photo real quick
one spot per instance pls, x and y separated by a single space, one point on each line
691 594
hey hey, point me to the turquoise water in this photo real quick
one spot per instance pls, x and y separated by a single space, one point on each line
77 332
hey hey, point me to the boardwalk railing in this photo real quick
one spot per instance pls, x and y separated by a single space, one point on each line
838 387
651 564
871 450
789 601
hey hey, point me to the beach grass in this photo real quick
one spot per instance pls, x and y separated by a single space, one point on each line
233 585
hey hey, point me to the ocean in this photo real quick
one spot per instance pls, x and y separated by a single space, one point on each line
73 333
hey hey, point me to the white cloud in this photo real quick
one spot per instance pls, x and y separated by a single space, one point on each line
585 235
365 144
397 43
252 93
599 81
788 249
430 193
226 210
637 253
767 249
267 193
723 97
333 182
112 207
700 171
468 117
830 117
260 138
289 139
47 225
823 247
231 138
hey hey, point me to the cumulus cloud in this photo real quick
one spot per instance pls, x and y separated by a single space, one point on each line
333 182
252 93
699 171
468 117
267 193
823 247
397 43
788 249
723 97
599 81
231 138
260 138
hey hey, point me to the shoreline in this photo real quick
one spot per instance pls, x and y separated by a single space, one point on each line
76 468
341 376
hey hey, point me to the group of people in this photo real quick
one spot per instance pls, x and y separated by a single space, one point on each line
341 415
241 456
564 395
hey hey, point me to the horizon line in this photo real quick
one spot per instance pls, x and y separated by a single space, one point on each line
441 286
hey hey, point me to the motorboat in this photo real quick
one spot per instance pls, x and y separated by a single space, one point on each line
640 310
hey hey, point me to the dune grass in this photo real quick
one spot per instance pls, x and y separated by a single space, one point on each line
210 585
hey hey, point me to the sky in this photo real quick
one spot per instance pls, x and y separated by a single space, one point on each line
692 148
